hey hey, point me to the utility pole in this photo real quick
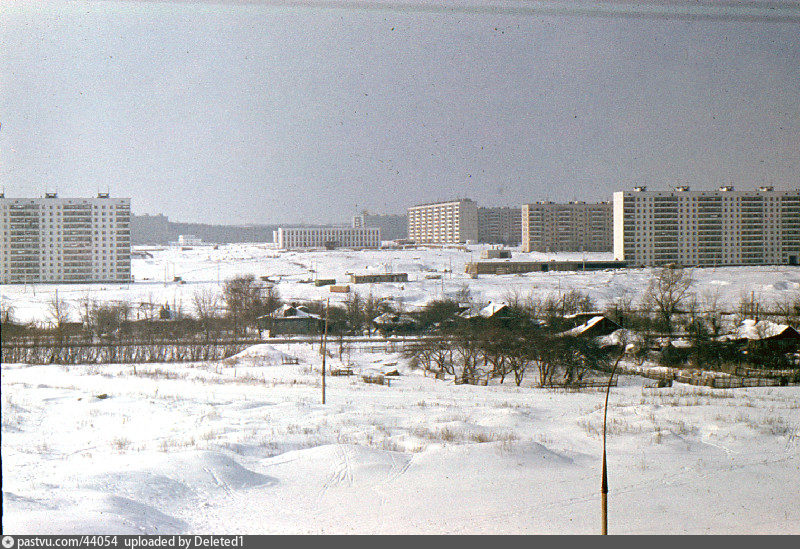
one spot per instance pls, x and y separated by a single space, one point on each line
604 482
324 347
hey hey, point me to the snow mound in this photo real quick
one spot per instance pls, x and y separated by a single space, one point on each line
90 513
528 455
265 353
343 464
163 479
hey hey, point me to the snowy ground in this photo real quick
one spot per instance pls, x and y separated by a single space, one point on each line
245 445
205 267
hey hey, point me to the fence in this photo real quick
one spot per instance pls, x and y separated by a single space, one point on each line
83 352
119 353
580 384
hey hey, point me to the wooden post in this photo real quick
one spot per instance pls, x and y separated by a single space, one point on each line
324 347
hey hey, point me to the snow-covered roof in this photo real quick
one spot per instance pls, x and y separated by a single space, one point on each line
393 318
294 311
619 337
763 329
585 327
583 314
488 311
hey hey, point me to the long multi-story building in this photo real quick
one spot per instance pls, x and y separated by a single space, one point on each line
55 239
500 225
327 237
454 222
707 228
572 227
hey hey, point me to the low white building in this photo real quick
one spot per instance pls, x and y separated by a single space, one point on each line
327 237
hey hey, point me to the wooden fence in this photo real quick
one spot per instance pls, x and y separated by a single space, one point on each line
119 353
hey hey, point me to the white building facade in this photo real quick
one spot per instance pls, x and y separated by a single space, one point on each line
72 240
327 237
567 227
454 222
707 228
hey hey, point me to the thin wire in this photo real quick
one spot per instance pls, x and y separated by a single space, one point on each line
723 10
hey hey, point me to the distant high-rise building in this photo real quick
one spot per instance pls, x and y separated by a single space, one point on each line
572 227
55 239
707 228
392 226
454 222
500 225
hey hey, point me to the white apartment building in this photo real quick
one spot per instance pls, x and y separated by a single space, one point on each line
55 239
707 228
454 222
328 237
501 225
571 227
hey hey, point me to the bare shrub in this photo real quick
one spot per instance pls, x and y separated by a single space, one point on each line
667 293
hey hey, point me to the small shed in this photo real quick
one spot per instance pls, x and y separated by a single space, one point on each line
763 330
594 327
378 278
395 323
494 310
291 319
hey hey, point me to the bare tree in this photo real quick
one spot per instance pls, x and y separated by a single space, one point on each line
6 312
372 308
58 309
272 300
206 307
354 305
468 350
518 360
748 308
713 315
242 296
667 292
464 295
494 350
788 309
621 310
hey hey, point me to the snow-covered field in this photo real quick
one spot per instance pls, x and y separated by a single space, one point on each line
205 267
245 446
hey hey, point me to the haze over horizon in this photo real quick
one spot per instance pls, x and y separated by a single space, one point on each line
254 113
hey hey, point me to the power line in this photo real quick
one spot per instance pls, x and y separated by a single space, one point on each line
743 11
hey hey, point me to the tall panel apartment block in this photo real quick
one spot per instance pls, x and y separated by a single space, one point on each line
502 225
572 227
707 228
55 239
454 222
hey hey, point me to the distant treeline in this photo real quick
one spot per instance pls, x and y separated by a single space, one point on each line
158 229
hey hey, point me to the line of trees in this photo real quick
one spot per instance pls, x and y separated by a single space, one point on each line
479 349
669 308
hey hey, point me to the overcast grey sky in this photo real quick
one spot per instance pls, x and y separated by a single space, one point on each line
253 113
